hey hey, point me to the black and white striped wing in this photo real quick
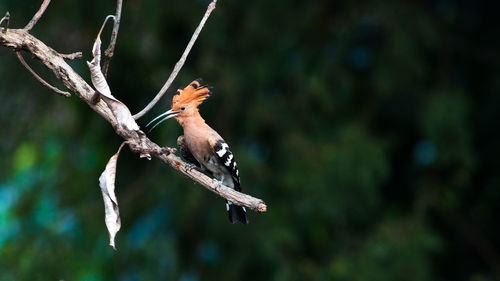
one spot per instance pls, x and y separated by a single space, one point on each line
236 214
226 158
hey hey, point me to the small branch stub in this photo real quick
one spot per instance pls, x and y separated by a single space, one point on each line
72 56
261 208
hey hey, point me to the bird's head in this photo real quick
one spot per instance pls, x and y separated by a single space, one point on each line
185 102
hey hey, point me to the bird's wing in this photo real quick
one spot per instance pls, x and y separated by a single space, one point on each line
186 154
226 159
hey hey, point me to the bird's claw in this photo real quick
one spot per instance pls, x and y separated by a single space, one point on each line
219 183
191 167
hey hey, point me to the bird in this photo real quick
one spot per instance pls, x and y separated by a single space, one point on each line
201 145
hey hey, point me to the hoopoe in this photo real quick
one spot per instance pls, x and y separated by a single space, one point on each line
201 145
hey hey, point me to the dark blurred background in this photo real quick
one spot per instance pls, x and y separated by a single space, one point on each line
370 128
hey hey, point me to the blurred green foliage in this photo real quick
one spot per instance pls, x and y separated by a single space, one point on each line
369 128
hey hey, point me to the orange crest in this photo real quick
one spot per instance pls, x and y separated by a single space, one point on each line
192 94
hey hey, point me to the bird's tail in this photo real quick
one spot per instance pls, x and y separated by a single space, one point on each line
237 214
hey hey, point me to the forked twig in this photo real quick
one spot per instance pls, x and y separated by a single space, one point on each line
179 64
40 79
108 54
38 15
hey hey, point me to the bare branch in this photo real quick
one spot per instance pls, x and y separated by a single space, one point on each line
40 79
6 18
136 139
38 15
18 39
72 56
180 63
108 54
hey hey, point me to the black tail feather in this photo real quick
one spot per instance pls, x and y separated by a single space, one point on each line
236 214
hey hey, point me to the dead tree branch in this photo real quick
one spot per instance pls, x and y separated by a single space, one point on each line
38 15
108 54
179 64
20 39
40 79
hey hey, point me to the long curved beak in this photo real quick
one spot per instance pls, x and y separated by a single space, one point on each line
169 114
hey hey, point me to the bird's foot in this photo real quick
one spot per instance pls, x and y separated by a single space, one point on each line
190 167
219 183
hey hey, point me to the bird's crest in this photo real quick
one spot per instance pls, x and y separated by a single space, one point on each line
193 93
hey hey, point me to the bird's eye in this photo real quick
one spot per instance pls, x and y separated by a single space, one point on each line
183 107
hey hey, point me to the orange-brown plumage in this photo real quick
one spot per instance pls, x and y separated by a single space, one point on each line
187 100
193 93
